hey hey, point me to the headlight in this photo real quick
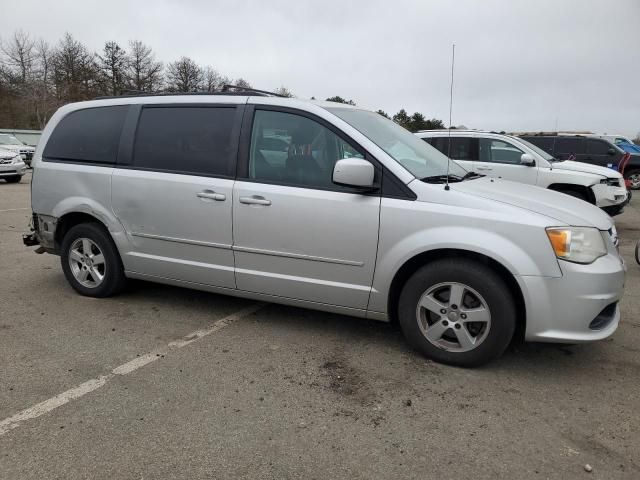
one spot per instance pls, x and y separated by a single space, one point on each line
17 159
577 244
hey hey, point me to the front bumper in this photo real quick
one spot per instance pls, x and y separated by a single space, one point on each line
580 306
610 196
12 169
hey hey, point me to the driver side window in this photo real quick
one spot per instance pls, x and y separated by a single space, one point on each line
498 151
295 150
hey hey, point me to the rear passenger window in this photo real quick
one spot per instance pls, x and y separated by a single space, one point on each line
564 145
597 147
88 136
188 140
462 148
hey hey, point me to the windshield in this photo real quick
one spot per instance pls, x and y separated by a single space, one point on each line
9 140
413 153
539 151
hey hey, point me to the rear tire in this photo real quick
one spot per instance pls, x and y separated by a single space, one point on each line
468 334
15 179
91 262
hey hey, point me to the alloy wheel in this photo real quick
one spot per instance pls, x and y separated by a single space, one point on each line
453 317
87 262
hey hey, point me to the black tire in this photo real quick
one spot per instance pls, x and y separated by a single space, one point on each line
633 175
15 179
478 277
575 194
114 279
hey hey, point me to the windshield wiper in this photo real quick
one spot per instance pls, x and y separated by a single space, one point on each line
441 178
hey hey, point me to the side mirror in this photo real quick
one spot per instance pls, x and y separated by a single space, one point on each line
527 160
353 172
611 151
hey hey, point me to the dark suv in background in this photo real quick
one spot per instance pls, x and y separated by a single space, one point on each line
596 151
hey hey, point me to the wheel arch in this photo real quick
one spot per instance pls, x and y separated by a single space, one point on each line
69 220
414 263
586 191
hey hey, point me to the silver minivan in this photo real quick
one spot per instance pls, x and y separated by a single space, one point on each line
319 205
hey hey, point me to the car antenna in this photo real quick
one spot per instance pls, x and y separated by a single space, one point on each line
453 59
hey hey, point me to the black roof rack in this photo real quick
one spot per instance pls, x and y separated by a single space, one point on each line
226 90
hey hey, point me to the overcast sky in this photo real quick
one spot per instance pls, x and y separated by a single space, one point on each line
520 64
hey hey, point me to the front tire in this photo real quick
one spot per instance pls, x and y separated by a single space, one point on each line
15 179
634 178
91 262
458 312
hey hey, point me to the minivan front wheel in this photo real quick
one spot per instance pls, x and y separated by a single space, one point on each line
91 262
457 311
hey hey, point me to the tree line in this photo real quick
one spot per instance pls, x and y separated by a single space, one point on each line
36 78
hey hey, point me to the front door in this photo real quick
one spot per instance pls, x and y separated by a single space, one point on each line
296 233
501 159
174 199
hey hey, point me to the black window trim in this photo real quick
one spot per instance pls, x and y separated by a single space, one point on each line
383 175
132 122
74 161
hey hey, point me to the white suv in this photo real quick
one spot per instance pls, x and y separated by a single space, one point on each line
515 159
324 206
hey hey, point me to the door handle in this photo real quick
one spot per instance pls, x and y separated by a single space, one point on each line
484 168
255 200
211 195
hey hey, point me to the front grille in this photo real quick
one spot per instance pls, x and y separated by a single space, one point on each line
604 318
5 161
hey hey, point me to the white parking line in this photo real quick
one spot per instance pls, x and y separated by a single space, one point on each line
63 398
14 209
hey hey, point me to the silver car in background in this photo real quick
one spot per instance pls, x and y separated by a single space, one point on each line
324 206
12 167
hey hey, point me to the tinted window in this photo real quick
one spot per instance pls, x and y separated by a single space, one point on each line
190 140
499 151
461 147
91 135
565 145
296 150
597 147
545 143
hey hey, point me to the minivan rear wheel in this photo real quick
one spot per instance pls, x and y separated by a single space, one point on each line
458 312
91 262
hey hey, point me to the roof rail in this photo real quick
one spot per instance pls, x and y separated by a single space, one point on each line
226 90
227 87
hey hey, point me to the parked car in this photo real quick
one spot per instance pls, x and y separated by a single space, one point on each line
12 168
588 149
616 139
10 142
358 217
513 158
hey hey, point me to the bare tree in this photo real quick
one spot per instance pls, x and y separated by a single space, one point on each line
284 91
184 75
18 55
113 64
213 81
241 82
75 70
144 73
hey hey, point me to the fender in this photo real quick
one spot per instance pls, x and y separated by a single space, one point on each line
511 255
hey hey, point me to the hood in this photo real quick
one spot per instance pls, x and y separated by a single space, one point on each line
559 206
6 153
586 168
